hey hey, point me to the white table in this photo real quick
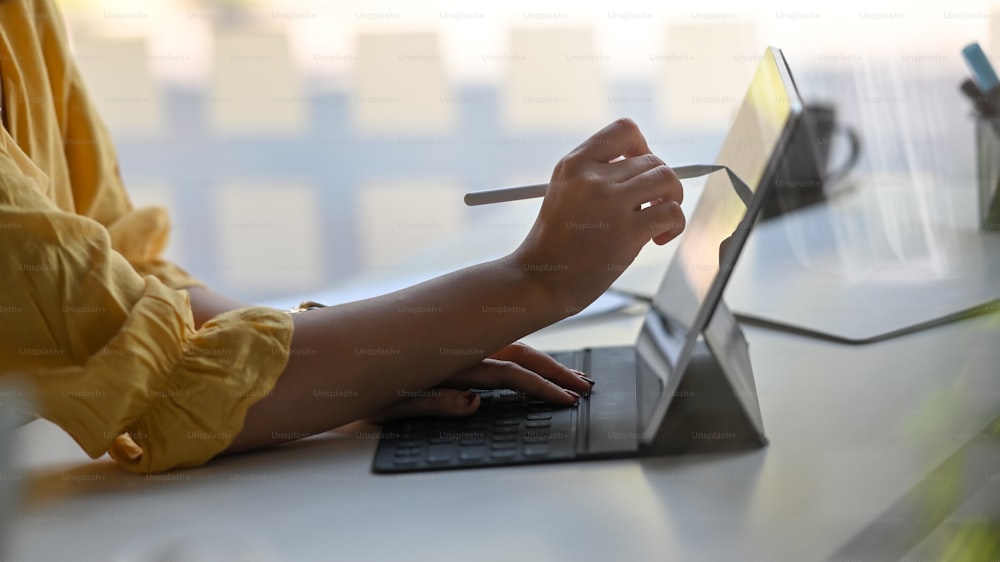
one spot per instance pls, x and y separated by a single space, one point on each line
853 430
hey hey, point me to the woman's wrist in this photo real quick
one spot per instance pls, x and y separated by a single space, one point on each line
544 287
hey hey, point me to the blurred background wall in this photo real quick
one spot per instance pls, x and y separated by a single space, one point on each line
298 143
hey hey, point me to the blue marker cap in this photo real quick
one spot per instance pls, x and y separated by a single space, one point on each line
982 70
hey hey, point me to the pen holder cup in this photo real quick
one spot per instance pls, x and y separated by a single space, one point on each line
988 171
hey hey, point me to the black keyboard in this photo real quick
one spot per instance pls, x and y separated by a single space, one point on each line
508 428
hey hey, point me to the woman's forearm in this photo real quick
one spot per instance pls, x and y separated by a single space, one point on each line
349 360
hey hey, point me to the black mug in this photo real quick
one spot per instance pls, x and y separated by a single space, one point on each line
804 172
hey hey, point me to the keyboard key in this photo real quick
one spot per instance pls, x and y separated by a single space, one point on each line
405 460
503 453
500 437
538 423
409 451
471 453
539 416
503 445
505 429
440 453
536 450
444 437
507 421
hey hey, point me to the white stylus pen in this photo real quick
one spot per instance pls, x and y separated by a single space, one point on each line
538 190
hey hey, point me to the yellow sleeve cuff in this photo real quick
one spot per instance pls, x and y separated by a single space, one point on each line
229 365
181 395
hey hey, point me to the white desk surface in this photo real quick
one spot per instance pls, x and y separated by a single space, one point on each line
852 429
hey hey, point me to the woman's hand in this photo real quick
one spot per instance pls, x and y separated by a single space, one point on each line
517 366
606 199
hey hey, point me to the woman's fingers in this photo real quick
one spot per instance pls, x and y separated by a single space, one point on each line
491 373
544 365
658 183
664 221
445 402
621 138
494 373
517 367
621 171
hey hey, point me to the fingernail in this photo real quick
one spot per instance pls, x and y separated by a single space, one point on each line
585 377
573 395
466 399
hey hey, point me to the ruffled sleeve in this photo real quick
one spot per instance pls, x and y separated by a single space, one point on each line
113 356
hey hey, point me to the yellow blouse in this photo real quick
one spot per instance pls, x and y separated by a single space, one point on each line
90 316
